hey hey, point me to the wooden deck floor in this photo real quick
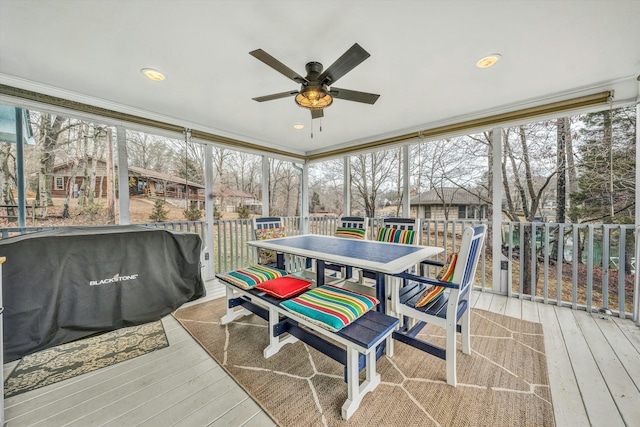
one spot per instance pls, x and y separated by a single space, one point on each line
594 370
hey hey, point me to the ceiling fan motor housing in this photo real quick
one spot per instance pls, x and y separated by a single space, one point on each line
313 95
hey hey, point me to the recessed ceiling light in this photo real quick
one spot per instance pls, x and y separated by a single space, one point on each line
488 60
298 126
152 74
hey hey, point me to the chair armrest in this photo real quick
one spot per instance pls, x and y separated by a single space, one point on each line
428 280
427 262
432 262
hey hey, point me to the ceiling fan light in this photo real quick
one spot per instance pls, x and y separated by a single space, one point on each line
153 74
488 61
314 98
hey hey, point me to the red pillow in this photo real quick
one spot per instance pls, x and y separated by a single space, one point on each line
284 287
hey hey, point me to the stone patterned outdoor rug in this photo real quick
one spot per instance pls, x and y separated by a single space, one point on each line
504 382
79 357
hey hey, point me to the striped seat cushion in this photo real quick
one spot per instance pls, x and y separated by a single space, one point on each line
330 307
445 275
247 278
395 235
350 233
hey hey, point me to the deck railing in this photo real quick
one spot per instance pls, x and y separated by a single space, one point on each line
596 274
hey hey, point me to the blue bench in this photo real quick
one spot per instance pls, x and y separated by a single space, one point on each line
359 344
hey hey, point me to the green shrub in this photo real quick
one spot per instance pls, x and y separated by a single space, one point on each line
243 212
159 213
193 213
91 210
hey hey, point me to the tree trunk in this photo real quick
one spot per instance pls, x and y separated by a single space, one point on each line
83 186
572 176
561 185
5 181
48 139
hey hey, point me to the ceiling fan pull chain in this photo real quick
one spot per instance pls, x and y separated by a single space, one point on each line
320 124
311 129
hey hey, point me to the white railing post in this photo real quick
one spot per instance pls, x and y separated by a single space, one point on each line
499 284
266 171
636 290
304 206
346 186
123 176
209 264
406 198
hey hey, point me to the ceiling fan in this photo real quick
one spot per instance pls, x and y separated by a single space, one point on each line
314 92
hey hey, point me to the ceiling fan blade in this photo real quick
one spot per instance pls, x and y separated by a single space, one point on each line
317 114
354 95
347 62
277 65
276 96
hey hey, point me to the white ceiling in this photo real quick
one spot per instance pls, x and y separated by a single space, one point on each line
422 62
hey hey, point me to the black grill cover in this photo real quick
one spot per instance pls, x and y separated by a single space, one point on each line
72 282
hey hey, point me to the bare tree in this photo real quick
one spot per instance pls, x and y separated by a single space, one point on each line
49 129
369 172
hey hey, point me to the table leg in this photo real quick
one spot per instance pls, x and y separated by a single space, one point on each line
319 272
280 260
381 293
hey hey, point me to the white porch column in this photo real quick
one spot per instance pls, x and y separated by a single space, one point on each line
636 292
265 185
304 202
496 220
209 263
346 186
123 176
406 198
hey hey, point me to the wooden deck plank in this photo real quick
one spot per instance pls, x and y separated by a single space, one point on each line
240 415
214 409
261 419
183 408
599 403
618 335
81 386
484 300
631 331
530 311
161 401
498 305
622 388
124 403
513 307
91 395
568 408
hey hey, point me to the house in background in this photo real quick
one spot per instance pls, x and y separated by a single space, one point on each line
229 200
163 185
170 188
449 203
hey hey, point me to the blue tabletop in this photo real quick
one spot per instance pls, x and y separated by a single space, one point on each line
372 251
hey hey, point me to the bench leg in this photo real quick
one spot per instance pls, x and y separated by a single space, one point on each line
355 390
275 343
231 313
